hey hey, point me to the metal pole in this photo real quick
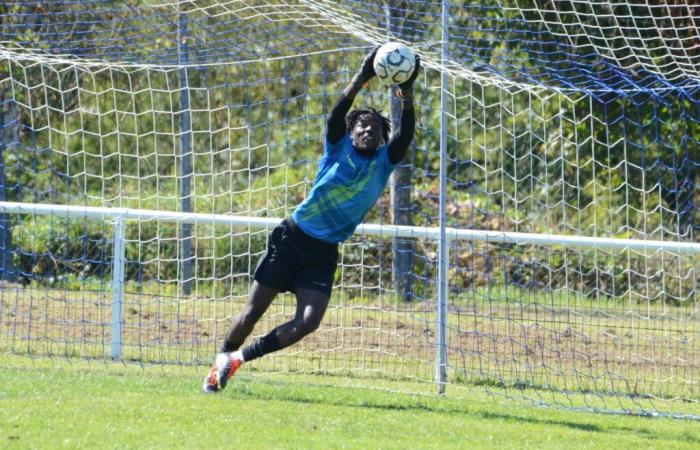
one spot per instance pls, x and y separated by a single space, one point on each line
8 124
118 261
186 154
443 258
6 272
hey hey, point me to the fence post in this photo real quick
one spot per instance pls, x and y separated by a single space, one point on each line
443 258
118 261
8 125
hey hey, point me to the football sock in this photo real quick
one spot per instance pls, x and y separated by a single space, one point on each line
263 346
238 355
226 347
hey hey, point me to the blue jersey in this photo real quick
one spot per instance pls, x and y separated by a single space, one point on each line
346 186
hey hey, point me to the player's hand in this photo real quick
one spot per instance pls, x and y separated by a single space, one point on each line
408 84
367 70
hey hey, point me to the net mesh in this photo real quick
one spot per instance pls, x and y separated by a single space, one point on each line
563 117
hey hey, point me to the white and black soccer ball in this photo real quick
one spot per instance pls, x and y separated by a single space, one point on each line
394 63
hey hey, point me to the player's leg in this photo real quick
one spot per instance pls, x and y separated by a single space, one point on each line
313 283
261 297
228 360
311 306
272 275
294 261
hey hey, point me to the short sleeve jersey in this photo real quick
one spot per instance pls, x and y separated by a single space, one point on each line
347 185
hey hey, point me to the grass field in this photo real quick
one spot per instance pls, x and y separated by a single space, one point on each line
59 403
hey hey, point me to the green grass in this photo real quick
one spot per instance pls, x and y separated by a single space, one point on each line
75 404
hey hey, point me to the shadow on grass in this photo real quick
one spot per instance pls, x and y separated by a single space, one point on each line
314 394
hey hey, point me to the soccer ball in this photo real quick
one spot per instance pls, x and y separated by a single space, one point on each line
394 63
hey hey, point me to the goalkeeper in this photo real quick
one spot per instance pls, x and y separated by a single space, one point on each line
302 252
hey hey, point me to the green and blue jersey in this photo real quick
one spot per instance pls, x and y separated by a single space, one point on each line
347 184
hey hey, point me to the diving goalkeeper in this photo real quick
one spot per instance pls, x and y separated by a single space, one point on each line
302 252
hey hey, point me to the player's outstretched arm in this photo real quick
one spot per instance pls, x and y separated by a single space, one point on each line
335 129
401 139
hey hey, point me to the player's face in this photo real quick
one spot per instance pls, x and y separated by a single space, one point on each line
367 132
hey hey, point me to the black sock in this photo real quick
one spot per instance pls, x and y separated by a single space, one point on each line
227 348
263 346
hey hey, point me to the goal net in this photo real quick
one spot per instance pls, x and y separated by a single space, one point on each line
179 132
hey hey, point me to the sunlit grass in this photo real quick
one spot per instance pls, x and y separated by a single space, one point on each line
76 404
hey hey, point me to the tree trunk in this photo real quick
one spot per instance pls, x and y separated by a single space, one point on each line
401 212
401 187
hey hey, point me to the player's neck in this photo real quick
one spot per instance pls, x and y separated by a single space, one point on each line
367 152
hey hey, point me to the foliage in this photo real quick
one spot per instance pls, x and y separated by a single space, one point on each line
542 159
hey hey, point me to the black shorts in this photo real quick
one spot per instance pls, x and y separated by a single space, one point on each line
296 260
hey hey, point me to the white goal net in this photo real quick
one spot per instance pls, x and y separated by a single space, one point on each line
568 128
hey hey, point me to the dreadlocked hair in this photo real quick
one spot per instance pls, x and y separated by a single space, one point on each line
354 115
